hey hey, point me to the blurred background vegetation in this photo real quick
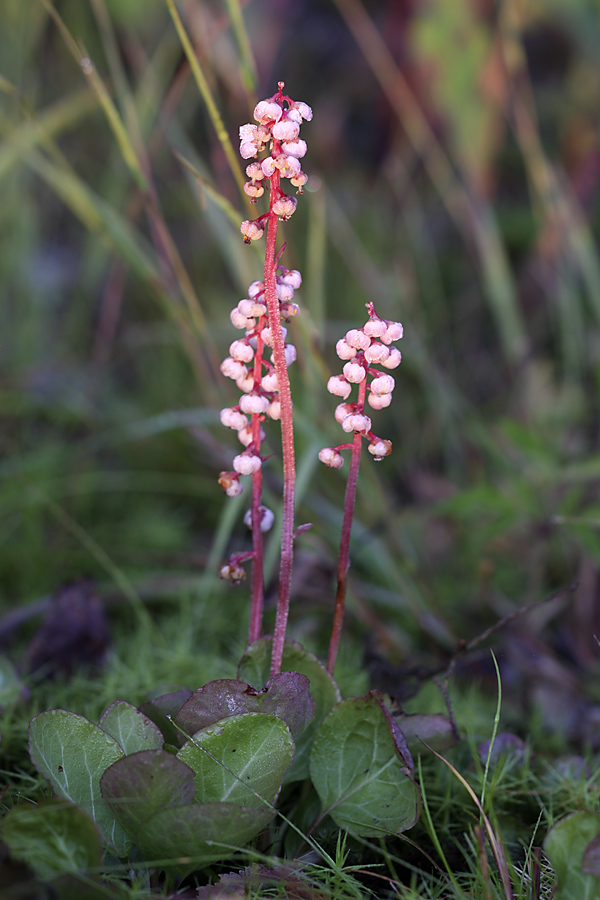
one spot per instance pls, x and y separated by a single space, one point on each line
454 164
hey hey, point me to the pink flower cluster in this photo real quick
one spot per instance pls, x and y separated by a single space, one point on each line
254 375
278 130
362 349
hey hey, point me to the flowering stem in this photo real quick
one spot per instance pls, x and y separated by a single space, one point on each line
257 595
287 436
343 561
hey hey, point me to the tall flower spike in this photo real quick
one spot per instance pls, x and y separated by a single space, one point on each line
362 349
265 383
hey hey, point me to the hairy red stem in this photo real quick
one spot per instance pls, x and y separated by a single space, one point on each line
287 436
343 560
257 595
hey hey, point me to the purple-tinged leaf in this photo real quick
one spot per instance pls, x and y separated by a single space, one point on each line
141 784
159 709
212 702
590 863
131 729
435 729
255 668
286 696
195 835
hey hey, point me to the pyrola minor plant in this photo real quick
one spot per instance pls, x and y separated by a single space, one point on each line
264 382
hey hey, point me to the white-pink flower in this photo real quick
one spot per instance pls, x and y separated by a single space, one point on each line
356 422
267 111
247 463
354 372
393 332
253 404
358 339
377 353
383 384
344 350
286 130
380 448
331 458
338 386
393 360
233 418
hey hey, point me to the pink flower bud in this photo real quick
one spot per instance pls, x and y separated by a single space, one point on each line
355 422
233 368
267 517
274 410
268 166
239 320
354 372
294 148
256 288
291 277
284 206
267 111
289 352
252 231
232 572
241 351
379 401
233 418
254 171
377 353
375 327
253 404
304 110
342 410
251 308
245 435
299 180
285 130
331 458
380 448
253 190
247 463
245 383
383 384
247 132
344 350
248 149
393 333
285 291
393 360
269 382
230 483
289 310
358 339
338 385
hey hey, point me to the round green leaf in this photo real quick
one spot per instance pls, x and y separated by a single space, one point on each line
565 845
131 729
362 780
53 837
238 756
72 754
201 833
140 785
255 667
